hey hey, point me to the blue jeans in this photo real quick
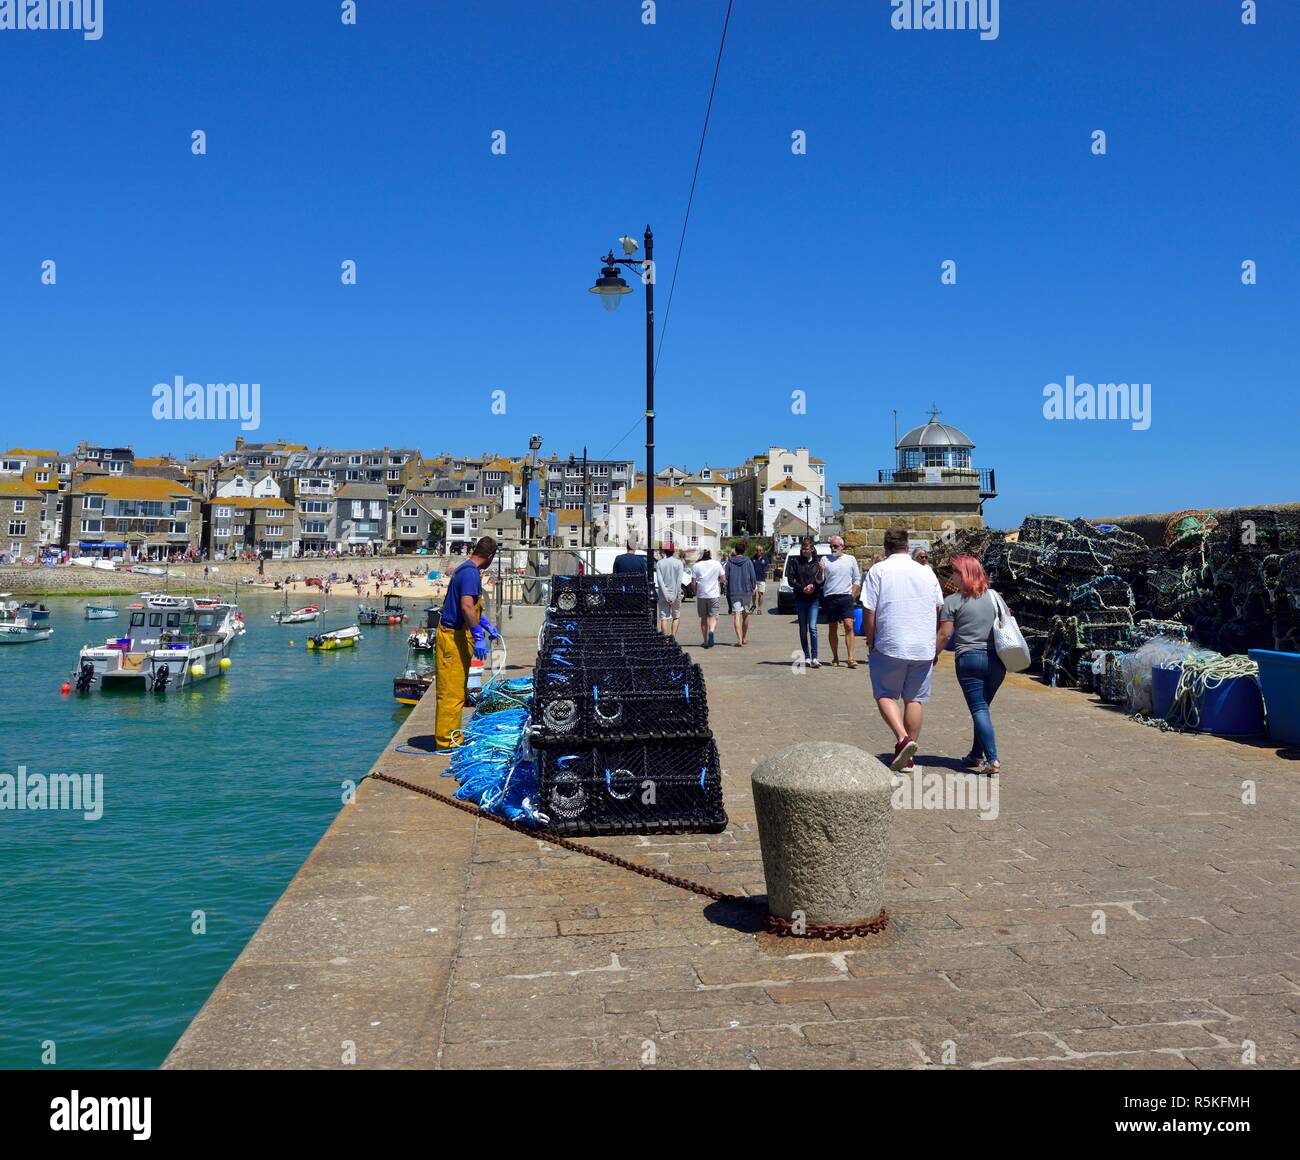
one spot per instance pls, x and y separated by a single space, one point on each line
980 675
807 611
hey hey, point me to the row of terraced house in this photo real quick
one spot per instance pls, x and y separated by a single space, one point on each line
283 499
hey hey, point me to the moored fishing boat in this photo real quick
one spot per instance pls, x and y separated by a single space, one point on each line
414 680
16 626
410 686
170 642
393 611
100 612
339 638
34 611
421 640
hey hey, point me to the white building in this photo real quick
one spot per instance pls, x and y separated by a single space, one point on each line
691 517
754 489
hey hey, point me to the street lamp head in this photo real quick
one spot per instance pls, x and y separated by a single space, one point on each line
610 285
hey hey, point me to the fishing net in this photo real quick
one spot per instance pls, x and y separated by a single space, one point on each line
1228 581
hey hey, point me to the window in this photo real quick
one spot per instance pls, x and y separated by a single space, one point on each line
313 528
469 486
20 505
222 513
394 475
409 510
695 540
237 531
354 476
629 513
95 502
92 526
356 459
358 508
221 533
275 514
788 469
669 512
272 532
315 506
410 529
18 527
42 477
182 505
180 528
771 501
12 466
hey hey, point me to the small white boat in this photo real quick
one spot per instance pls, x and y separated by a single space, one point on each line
100 612
297 616
23 632
105 565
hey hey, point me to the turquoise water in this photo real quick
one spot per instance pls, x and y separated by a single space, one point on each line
213 798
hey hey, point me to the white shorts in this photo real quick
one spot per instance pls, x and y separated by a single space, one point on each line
740 606
669 609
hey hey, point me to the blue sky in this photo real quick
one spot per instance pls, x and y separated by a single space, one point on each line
818 273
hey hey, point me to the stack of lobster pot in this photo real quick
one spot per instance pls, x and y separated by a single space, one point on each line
620 725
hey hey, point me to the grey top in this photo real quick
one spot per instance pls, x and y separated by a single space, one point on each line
668 576
972 619
740 577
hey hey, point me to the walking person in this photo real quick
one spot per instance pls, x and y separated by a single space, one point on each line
968 615
842 581
902 600
707 574
668 582
463 633
804 574
760 577
740 591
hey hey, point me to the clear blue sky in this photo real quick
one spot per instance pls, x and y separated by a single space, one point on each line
817 273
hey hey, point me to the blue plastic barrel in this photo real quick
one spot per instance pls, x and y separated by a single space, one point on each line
1234 709
1164 682
1279 676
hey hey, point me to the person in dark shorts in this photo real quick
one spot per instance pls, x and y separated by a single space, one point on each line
840 588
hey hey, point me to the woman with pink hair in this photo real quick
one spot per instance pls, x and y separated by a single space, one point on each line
968 616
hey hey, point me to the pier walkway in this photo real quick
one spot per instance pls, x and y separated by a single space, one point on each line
1134 903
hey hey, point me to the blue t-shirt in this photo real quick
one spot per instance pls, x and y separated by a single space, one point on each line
465 581
627 562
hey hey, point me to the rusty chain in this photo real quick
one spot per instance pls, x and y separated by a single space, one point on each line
771 923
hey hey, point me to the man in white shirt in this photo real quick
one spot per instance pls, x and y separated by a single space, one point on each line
839 590
902 600
707 574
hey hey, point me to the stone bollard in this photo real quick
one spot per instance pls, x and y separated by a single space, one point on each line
824 811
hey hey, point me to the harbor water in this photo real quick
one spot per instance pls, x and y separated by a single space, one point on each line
113 932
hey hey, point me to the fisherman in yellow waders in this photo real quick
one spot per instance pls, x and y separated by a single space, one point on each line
463 632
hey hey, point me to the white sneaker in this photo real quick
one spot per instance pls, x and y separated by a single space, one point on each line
814 663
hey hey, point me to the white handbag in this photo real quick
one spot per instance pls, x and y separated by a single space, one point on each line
1008 640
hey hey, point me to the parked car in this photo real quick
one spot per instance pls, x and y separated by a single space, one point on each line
784 593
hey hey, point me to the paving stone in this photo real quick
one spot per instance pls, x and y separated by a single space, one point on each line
386 932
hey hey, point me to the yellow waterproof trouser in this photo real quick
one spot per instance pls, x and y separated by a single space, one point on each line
453 651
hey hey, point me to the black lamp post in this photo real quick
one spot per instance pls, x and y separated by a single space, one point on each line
611 287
